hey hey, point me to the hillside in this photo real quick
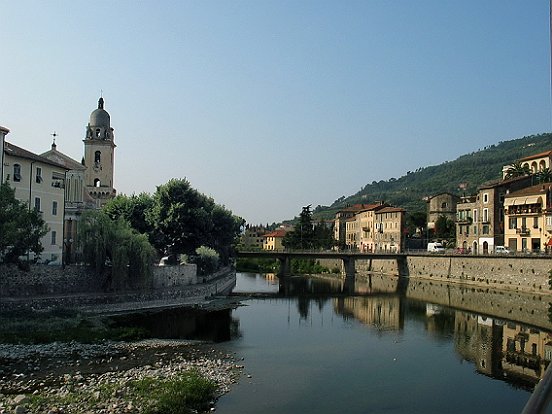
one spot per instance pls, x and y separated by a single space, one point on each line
472 169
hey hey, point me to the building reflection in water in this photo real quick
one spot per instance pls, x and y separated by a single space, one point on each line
510 351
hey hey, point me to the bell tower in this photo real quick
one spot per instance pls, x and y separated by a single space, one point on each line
99 151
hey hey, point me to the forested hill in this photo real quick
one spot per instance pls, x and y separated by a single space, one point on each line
472 169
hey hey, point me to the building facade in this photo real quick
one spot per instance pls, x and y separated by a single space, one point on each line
274 239
480 221
443 204
529 219
39 182
389 229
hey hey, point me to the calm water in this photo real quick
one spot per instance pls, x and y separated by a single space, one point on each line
318 346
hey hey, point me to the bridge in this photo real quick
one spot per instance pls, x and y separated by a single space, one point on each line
348 258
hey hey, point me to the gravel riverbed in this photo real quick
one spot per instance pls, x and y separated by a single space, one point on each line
94 378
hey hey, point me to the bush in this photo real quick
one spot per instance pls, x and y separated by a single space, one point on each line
206 259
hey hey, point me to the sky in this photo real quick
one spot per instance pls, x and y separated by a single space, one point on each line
271 105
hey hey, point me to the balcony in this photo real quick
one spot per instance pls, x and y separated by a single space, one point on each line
523 231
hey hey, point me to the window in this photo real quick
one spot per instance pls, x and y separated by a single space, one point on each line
485 215
512 223
97 183
475 216
37 203
54 234
38 178
16 172
54 208
97 157
535 222
485 229
485 198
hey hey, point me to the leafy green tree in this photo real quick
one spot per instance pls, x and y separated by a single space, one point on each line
133 209
21 228
445 229
416 220
206 259
184 219
104 240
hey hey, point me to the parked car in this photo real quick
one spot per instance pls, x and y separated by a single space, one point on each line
501 250
435 248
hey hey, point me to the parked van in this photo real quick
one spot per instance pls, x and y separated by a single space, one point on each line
435 248
501 250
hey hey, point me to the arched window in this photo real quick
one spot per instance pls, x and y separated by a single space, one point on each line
97 157
16 172
98 132
97 182
534 167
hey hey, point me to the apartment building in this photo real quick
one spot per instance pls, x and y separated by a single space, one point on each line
528 214
274 239
40 183
480 218
389 229
253 237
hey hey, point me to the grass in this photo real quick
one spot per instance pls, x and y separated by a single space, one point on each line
63 326
185 393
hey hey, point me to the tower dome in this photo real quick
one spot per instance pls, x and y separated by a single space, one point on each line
99 117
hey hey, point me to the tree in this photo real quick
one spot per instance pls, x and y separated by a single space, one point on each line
517 169
104 240
544 176
445 229
133 209
21 228
184 219
303 235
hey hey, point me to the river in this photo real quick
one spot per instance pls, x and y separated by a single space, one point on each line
319 346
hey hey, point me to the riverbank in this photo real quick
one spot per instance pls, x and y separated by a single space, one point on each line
105 377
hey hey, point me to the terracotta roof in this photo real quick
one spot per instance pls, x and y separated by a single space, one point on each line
391 210
356 208
540 155
14 150
276 233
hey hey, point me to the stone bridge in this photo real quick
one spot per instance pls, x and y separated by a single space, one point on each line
347 257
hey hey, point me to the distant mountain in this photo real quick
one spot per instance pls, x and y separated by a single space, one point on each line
460 176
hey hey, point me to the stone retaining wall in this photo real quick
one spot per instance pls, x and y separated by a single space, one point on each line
78 287
505 272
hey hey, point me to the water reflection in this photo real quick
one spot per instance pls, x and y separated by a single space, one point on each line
506 336
517 352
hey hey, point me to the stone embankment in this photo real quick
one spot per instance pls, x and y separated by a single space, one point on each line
527 274
78 378
76 287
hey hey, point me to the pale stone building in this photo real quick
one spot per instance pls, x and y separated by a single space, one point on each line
39 182
77 200
253 237
529 219
443 204
389 229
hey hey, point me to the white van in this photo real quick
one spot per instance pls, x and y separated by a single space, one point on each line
501 250
435 248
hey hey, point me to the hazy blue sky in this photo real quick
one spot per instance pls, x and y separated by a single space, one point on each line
271 105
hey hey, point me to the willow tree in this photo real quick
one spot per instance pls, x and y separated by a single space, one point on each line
105 241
